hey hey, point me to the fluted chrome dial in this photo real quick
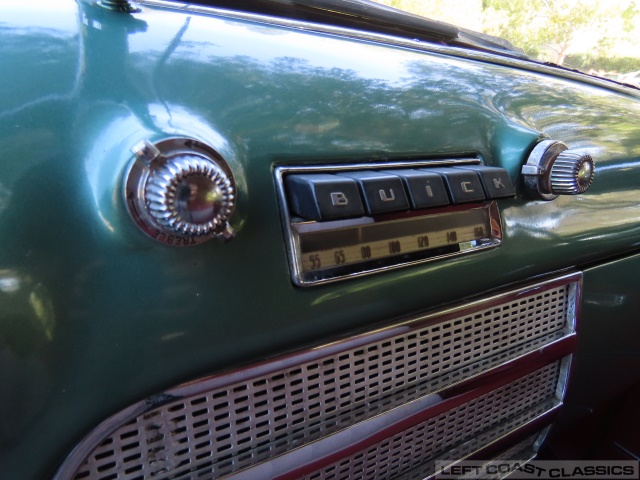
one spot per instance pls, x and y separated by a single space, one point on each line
571 173
180 192
190 195
552 169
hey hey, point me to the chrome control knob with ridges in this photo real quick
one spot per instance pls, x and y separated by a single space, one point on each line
180 192
571 173
553 170
190 196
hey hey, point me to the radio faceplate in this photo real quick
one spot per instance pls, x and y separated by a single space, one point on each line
343 221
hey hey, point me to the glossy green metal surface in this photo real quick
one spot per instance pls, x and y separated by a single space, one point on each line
94 315
607 362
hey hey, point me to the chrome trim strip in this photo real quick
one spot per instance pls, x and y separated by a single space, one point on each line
280 363
395 164
459 52
542 436
293 247
565 371
575 303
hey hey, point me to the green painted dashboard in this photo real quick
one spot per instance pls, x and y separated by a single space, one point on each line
95 316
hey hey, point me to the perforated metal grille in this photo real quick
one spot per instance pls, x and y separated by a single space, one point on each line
428 468
226 429
390 458
520 452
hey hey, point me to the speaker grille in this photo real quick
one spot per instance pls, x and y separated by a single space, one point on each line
519 401
221 426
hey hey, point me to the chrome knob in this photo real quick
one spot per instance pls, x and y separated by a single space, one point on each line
180 192
190 195
553 170
571 173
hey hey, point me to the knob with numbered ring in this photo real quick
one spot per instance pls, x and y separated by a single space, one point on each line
180 192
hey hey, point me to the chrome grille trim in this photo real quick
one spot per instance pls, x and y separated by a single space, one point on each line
299 398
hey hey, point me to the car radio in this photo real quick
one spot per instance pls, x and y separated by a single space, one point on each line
343 221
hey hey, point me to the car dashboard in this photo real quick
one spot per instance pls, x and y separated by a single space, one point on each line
236 245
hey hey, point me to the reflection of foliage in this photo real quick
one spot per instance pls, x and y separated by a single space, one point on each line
35 52
291 107
291 104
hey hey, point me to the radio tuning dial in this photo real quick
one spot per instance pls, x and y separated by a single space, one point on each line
180 192
553 170
190 195
571 173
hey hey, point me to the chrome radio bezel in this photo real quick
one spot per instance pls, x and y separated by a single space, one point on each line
291 223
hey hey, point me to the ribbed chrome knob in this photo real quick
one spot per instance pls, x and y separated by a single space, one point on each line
553 170
190 195
571 173
180 192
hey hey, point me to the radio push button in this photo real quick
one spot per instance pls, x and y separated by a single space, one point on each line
464 186
324 197
496 181
425 189
382 192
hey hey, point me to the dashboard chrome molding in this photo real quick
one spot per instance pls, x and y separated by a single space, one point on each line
294 228
459 52
554 339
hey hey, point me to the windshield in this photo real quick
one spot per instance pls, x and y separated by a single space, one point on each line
598 37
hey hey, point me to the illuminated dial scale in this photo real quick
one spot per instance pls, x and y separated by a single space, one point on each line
345 221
